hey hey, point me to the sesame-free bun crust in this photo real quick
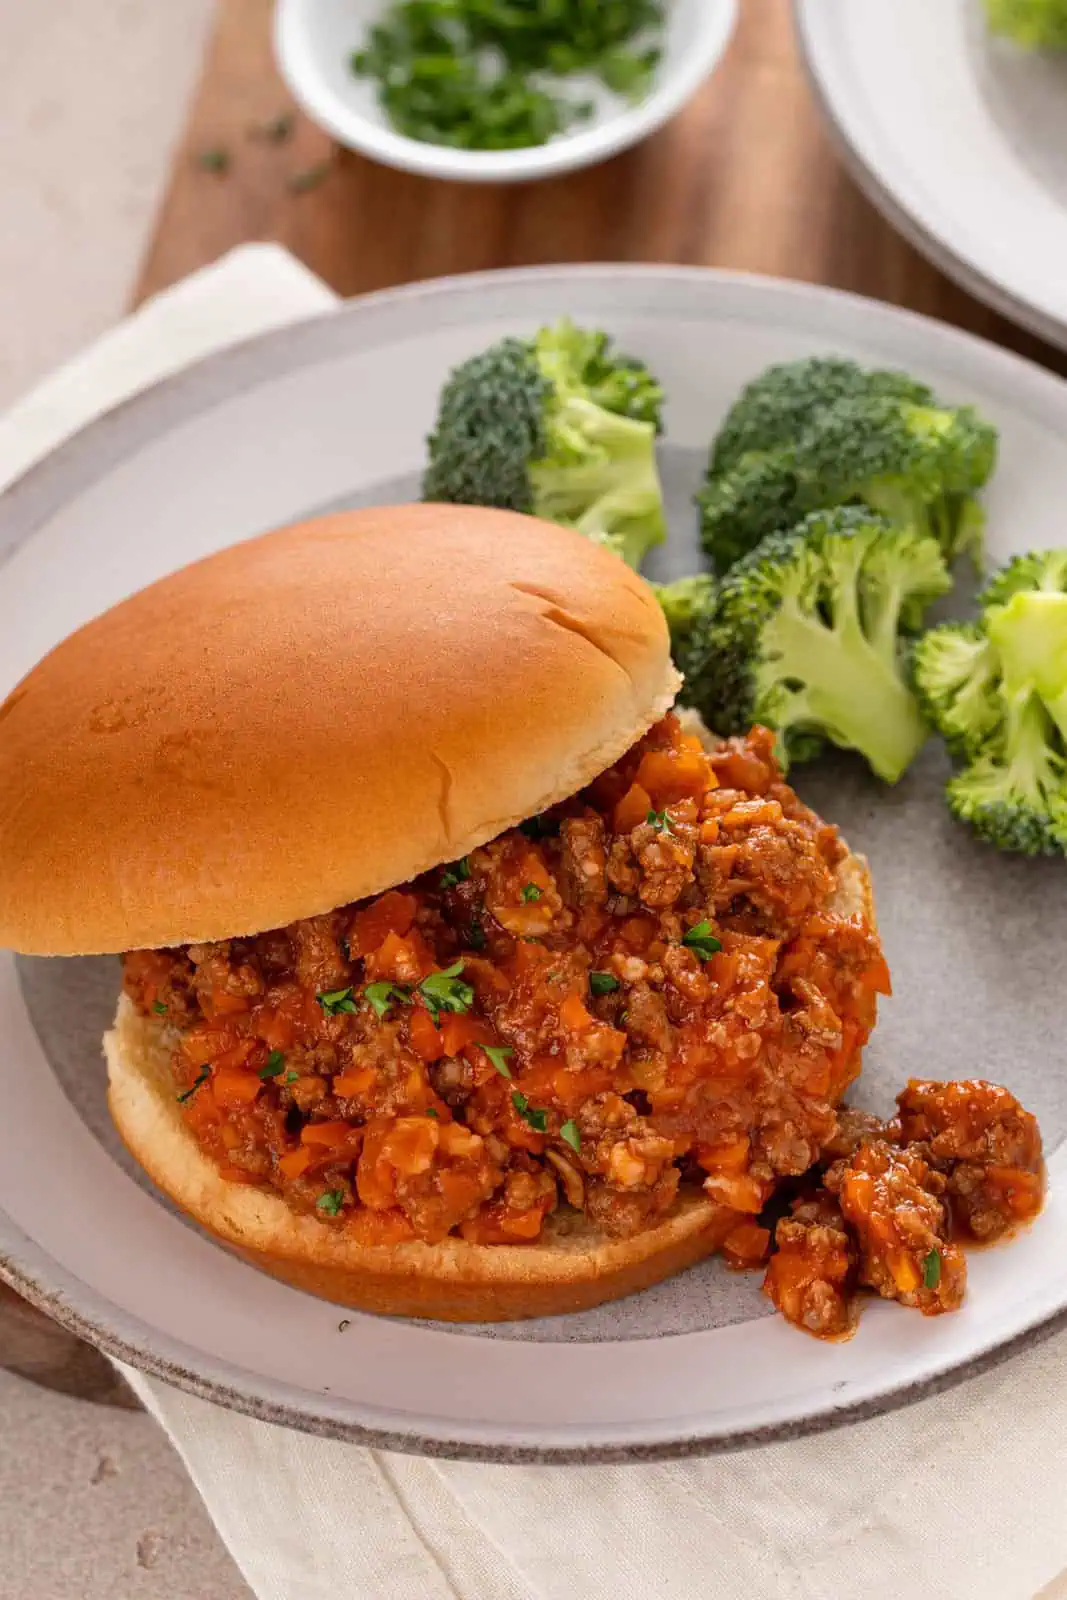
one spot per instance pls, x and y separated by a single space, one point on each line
312 717
572 1267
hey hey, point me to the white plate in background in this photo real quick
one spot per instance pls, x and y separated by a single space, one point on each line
958 136
334 412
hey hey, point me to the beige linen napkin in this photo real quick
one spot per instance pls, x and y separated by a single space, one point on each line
963 1497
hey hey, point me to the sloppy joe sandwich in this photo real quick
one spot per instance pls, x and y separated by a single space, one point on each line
461 978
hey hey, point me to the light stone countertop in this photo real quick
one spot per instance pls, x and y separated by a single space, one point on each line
94 1503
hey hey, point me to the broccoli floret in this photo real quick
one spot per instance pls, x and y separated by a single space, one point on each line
805 637
918 464
775 408
1033 24
955 673
688 604
560 426
756 496
822 433
997 690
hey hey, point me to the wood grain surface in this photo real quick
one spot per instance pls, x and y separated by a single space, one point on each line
747 177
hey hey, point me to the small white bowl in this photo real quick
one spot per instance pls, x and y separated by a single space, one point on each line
315 39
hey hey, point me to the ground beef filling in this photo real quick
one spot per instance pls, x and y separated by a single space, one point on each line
960 1163
646 985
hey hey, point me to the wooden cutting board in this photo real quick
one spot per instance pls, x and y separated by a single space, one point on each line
747 177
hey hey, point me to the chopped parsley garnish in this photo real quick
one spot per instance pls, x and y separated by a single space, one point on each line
538 1120
336 1001
291 1077
458 872
569 1132
446 991
159 1008
476 935
498 1055
531 892
660 821
330 1202
275 1064
932 1270
603 982
382 995
202 1076
216 160
702 941
431 1112
309 178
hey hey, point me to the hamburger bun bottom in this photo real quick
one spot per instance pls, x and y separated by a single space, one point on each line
573 1266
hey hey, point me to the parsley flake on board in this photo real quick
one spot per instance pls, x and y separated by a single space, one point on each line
570 1133
537 1119
702 941
216 160
330 1202
274 1067
202 1076
336 1000
498 1055
603 982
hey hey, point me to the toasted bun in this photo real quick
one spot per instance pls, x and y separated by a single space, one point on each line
312 717
572 1267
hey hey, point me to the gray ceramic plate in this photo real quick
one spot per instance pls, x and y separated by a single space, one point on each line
959 137
333 413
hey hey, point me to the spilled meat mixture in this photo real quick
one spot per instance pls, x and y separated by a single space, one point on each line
651 985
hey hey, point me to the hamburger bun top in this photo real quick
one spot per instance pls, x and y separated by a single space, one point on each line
312 717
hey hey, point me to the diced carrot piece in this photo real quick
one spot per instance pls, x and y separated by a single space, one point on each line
327 1133
275 1029
350 1083
524 1225
222 1004
747 1244
573 1015
632 809
237 1057
425 1039
235 1088
460 1030
294 1163
669 777
390 913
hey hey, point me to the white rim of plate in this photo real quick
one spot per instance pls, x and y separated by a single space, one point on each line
89 455
815 25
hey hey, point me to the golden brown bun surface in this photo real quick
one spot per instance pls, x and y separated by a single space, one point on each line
312 717
572 1267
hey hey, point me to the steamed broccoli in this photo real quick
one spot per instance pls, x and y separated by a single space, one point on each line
819 433
997 691
805 637
776 407
560 426
1034 24
688 604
